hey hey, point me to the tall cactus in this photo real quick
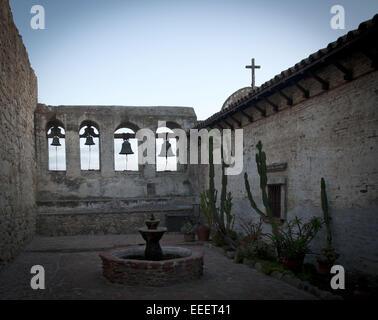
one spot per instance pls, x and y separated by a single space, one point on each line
221 217
212 193
223 199
328 254
226 204
209 197
261 169
267 215
327 218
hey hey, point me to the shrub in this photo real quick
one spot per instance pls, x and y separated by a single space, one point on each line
293 239
328 255
260 250
252 230
239 255
218 240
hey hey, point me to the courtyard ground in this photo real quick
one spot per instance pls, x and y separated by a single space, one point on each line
73 271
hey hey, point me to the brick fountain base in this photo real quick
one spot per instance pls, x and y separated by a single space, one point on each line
119 269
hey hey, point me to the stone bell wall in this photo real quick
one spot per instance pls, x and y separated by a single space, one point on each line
18 101
104 201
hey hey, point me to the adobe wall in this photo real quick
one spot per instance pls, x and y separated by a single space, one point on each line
18 100
332 135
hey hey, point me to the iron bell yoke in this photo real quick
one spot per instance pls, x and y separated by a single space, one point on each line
89 131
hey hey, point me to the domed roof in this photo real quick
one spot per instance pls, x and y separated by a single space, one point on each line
241 93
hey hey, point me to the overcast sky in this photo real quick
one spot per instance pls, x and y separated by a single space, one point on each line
173 53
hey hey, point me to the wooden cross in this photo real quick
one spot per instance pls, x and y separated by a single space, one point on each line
253 67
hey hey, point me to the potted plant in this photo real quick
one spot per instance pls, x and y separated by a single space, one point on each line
189 231
292 241
292 255
328 254
326 260
252 231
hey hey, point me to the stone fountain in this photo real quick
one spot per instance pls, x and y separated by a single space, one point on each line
152 236
152 265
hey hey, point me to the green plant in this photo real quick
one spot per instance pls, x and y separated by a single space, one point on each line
239 255
251 229
206 207
262 171
209 196
268 266
230 218
188 228
224 211
218 240
326 216
221 218
294 238
259 249
328 254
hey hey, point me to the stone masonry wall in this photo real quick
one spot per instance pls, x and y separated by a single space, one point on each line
104 222
106 201
106 183
18 100
332 135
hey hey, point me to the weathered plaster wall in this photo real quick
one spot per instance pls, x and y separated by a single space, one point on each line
18 100
331 135
106 190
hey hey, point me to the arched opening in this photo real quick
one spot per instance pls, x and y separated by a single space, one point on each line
89 146
56 140
166 156
125 149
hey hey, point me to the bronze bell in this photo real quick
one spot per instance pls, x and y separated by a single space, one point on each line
89 141
126 148
55 142
166 150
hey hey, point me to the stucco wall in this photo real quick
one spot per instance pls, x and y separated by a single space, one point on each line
18 100
331 135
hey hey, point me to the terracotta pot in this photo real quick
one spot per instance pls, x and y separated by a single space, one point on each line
189 237
324 268
293 264
203 233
